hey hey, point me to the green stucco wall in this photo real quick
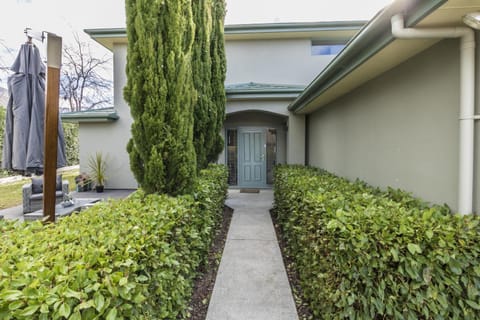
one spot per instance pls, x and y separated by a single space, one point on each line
400 129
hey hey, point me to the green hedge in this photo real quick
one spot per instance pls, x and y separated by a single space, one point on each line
129 259
366 254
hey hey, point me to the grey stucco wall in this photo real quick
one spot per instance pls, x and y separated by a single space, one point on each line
270 106
111 138
400 129
296 139
272 61
266 61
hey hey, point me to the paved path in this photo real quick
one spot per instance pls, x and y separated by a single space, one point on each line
251 283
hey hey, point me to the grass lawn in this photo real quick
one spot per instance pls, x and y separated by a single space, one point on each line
11 193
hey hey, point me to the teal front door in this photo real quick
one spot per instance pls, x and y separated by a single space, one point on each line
251 158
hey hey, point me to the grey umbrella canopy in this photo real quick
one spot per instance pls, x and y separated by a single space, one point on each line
24 126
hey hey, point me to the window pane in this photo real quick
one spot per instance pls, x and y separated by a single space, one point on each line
271 153
326 49
232 156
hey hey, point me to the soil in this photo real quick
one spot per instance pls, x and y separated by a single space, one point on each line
203 287
304 312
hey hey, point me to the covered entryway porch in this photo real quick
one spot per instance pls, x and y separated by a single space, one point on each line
255 141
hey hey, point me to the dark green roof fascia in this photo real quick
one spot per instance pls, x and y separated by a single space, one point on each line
265 91
251 90
90 116
293 27
261 96
252 28
372 38
107 32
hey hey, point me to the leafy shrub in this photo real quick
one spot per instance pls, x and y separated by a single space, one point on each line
129 259
366 254
70 130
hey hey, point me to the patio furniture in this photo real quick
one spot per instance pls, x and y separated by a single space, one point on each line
33 193
61 211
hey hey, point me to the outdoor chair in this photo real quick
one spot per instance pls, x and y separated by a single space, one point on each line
33 193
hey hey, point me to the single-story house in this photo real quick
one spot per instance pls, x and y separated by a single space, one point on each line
395 107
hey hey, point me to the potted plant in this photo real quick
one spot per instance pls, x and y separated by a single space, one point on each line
98 165
84 182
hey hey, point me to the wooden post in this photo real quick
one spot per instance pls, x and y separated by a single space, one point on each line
54 61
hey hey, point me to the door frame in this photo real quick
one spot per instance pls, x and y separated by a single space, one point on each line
238 129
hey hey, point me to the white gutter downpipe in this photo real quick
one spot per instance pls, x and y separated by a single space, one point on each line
467 99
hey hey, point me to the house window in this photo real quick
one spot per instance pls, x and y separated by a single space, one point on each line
326 49
232 156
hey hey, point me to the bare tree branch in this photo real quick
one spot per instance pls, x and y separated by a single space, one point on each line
82 85
4 68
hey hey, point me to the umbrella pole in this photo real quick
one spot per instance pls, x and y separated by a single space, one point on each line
54 60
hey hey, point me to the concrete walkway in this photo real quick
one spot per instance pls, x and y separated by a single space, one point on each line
251 283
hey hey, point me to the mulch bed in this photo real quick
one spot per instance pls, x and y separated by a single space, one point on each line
205 281
304 312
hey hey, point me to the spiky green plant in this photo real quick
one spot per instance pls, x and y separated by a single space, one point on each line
97 165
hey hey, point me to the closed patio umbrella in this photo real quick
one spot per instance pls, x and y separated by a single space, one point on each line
23 145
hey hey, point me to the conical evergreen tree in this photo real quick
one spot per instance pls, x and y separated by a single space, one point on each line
161 95
204 112
218 71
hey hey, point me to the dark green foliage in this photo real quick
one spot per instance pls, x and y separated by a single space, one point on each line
161 95
204 112
129 259
70 131
208 64
366 254
219 69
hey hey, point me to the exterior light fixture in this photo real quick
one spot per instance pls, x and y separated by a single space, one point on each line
472 19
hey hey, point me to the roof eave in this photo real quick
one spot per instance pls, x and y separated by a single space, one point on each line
89 117
372 38
262 96
106 32
293 27
107 36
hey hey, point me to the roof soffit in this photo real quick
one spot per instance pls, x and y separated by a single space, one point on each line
332 30
394 52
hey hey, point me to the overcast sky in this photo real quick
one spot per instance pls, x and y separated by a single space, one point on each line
63 17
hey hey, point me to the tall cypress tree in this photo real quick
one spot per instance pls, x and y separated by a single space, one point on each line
204 112
218 71
161 95
209 67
